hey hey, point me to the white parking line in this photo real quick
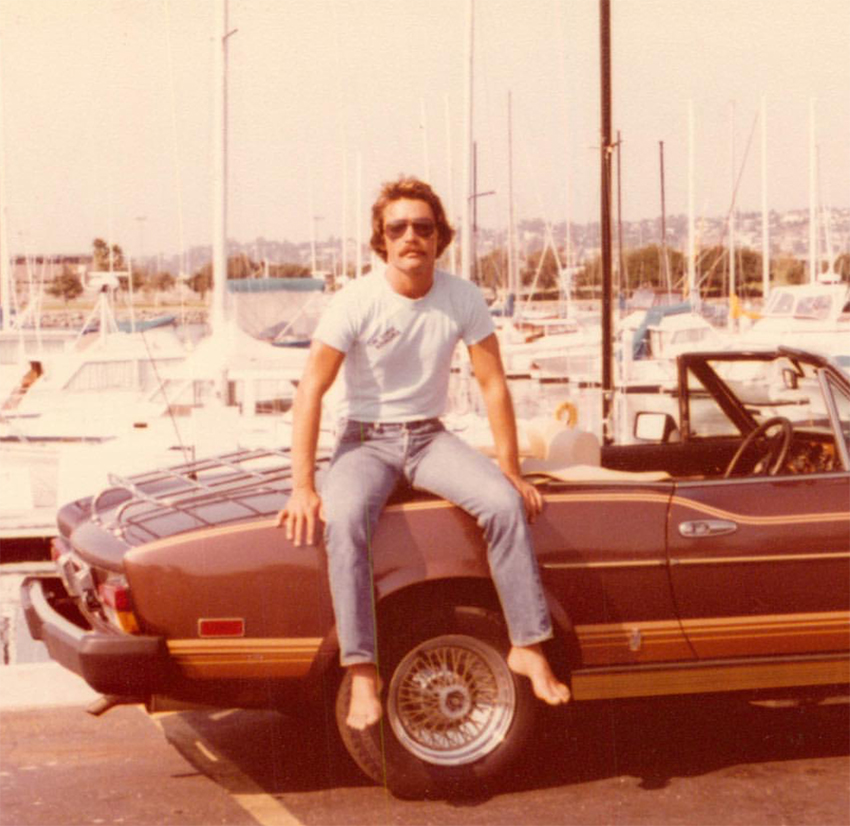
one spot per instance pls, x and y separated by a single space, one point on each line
265 808
205 751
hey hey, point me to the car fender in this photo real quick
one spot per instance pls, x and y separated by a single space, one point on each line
435 542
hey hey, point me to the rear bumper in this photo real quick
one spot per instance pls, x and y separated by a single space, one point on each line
117 664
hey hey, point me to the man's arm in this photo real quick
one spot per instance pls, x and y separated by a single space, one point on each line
304 505
487 366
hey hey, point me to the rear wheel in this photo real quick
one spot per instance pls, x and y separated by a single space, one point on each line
455 714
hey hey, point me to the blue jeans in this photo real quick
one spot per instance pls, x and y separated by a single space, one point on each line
367 464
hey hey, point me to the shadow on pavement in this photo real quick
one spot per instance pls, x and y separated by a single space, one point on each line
653 740
657 740
263 750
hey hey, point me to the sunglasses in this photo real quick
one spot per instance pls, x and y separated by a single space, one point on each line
422 227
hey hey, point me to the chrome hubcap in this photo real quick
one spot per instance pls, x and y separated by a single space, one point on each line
451 700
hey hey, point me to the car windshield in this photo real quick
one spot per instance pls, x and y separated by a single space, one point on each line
779 387
842 406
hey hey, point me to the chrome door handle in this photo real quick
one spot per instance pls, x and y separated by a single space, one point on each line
706 527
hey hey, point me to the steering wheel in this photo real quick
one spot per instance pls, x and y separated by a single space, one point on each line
774 449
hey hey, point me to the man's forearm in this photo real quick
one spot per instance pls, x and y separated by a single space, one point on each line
500 412
306 418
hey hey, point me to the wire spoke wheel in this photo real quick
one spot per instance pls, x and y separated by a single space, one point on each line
451 700
455 716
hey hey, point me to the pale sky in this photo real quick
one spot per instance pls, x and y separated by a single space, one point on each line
107 111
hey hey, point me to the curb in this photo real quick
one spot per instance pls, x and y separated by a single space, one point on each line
42 685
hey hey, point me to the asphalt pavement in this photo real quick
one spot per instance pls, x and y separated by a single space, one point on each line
698 761
61 766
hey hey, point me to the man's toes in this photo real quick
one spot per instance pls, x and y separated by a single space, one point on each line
362 718
550 691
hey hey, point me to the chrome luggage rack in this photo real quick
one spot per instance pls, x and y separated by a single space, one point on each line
205 492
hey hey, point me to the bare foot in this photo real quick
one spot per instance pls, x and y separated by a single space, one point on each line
365 707
531 662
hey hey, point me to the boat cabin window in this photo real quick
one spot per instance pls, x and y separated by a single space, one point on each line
780 303
814 306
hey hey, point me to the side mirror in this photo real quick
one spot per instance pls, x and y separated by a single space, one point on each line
790 378
651 426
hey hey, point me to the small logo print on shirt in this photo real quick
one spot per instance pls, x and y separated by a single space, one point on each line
380 340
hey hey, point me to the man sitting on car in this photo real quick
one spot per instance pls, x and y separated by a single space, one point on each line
394 333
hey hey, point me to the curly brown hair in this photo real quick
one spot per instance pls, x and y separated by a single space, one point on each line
415 190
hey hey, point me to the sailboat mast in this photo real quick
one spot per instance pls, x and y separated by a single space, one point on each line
692 251
466 241
605 223
813 221
622 274
512 288
665 261
765 218
358 267
312 227
451 187
219 263
5 272
423 125
344 264
732 285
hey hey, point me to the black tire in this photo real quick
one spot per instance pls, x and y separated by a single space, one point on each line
455 716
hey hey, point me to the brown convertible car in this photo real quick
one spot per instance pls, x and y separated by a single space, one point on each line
709 555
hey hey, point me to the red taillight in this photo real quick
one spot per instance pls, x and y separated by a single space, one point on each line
56 549
115 596
118 606
224 627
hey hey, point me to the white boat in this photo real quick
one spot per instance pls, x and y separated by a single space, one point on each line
131 401
654 338
527 339
646 346
805 315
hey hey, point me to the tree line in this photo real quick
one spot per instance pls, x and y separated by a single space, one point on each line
68 285
653 267
650 266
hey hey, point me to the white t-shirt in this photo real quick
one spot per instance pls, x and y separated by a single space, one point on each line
399 350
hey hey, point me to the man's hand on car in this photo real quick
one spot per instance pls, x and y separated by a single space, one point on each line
300 514
531 496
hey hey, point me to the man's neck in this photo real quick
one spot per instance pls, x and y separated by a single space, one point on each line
410 284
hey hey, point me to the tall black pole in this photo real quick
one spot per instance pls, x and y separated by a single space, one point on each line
665 262
605 225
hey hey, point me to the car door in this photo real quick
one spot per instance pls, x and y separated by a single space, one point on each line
601 548
759 566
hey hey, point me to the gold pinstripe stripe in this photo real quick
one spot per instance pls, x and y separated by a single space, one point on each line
632 563
768 624
659 640
281 648
765 620
726 560
645 496
782 519
661 498
611 684
248 658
